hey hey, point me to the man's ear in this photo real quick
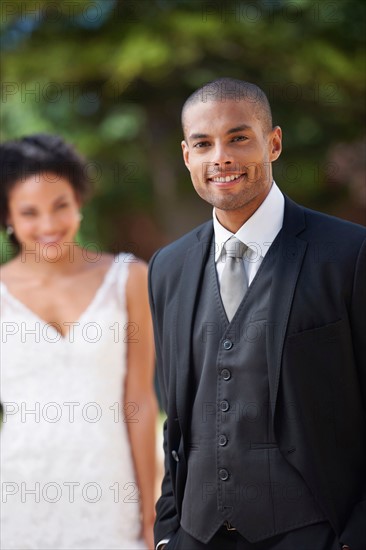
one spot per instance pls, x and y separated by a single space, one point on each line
185 150
275 143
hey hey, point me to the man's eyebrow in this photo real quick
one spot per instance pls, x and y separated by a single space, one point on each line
240 128
198 136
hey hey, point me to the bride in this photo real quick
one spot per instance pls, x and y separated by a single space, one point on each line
79 410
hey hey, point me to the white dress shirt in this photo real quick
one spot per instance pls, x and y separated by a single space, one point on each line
258 233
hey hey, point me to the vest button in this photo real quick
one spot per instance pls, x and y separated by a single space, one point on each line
226 374
222 440
224 406
223 474
175 456
227 344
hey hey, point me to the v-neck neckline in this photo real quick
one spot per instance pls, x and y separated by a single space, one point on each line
91 304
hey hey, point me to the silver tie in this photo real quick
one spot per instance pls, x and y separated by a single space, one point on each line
233 283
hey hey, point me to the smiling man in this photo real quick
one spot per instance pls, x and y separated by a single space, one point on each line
259 318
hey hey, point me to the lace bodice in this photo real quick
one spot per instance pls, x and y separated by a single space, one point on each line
67 474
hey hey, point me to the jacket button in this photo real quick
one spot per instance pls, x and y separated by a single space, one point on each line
222 440
223 474
175 456
226 374
224 406
227 344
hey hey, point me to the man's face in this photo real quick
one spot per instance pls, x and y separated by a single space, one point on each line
229 155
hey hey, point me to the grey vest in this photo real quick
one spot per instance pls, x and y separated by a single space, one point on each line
235 469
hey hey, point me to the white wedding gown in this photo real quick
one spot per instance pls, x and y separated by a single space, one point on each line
67 475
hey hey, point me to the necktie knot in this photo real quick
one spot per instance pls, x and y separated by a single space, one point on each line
235 248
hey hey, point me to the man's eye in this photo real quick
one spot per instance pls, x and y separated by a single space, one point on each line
239 138
28 213
201 144
62 205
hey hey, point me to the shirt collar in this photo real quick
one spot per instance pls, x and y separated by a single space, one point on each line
260 230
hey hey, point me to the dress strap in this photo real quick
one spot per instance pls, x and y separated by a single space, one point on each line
123 261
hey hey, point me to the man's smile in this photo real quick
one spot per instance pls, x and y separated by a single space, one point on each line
226 181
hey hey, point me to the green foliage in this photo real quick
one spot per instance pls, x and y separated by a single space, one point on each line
111 76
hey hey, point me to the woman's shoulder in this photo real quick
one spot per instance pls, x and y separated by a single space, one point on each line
136 284
106 260
137 267
10 271
92 266
134 265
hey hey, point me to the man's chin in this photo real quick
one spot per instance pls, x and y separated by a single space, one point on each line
228 205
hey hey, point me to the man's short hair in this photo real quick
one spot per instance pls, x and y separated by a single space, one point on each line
232 89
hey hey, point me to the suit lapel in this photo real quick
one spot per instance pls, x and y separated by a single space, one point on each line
194 263
287 268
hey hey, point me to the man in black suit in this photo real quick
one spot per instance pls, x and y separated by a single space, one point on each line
259 319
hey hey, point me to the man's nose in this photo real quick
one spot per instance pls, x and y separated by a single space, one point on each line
221 155
220 162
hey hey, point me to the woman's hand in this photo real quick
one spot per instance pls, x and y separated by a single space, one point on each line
148 534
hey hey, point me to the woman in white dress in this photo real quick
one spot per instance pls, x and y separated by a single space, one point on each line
79 410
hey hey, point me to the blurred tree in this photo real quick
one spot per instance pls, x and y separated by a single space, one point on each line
111 76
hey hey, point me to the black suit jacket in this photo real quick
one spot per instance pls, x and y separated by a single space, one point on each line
316 361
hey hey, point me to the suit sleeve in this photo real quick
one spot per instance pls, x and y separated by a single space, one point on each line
354 532
167 521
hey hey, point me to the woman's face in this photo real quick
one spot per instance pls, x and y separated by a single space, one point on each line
44 212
